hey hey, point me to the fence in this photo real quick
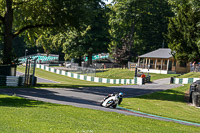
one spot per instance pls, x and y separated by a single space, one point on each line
74 68
42 58
83 70
195 68
131 65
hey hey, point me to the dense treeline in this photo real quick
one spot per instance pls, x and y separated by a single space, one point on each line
125 28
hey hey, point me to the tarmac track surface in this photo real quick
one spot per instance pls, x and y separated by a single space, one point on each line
39 80
90 97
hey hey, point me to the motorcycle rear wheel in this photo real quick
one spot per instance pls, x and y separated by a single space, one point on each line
114 106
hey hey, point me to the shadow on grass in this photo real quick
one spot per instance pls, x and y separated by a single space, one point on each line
18 102
43 85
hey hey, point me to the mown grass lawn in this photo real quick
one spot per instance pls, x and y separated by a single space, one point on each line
190 75
21 115
170 103
118 73
64 81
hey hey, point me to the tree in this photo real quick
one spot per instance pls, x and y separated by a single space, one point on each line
122 55
31 17
143 21
92 39
184 30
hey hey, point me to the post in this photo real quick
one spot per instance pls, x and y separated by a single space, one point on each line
148 69
143 63
25 80
155 63
26 50
167 64
138 62
146 64
95 70
161 64
149 63
32 83
136 70
29 63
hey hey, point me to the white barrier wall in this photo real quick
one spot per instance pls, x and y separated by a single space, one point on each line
137 80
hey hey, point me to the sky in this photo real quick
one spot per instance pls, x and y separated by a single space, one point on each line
107 2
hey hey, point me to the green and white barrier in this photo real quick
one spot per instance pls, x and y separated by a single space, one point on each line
11 81
183 80
137 80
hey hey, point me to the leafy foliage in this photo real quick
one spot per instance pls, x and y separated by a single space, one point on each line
144 22
91 37
184 30
32 17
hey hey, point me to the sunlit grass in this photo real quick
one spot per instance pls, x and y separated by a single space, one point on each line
170 103
21 115
118 73
190 75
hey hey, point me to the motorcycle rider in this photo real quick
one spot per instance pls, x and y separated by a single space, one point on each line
120 97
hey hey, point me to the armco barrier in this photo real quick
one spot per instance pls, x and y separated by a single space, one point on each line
183 80
137 80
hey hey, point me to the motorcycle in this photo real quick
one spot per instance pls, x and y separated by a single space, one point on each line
112 100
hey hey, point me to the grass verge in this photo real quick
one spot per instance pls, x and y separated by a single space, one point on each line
190 75
170 103
21 115
118 73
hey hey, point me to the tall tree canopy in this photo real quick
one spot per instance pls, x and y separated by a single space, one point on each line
184 30
30 17
92 38
141 23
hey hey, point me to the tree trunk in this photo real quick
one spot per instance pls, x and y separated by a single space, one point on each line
89 58
7 51
79 60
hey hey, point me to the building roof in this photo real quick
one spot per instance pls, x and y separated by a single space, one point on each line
159 53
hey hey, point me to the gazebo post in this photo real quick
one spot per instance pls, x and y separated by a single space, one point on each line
146 63
149 62
161 64
143 63
167 64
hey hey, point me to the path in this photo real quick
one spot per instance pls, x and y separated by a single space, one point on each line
162 81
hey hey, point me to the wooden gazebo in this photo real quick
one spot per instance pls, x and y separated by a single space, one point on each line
161 61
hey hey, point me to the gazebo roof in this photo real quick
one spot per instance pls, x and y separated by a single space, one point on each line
159 53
